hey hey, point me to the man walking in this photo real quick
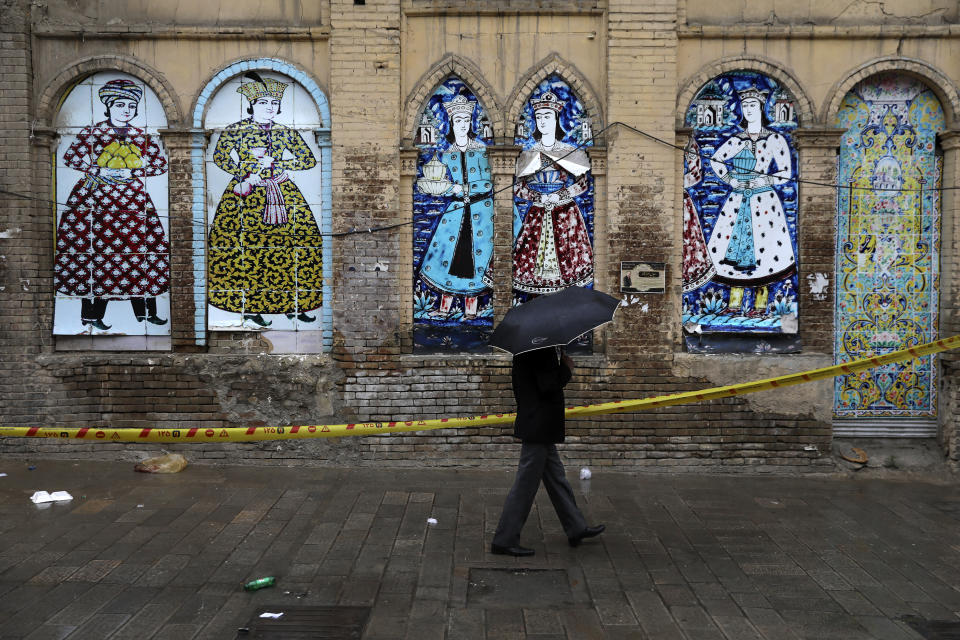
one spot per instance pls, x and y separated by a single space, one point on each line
538 380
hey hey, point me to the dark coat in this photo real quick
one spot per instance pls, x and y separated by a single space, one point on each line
538 380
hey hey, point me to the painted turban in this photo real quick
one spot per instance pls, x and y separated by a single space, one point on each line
120 89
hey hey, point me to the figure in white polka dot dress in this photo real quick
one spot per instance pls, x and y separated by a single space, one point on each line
750 245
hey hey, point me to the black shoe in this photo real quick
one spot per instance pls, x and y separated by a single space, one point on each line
153 319
302 317
96 324
517 551
256 318
589 532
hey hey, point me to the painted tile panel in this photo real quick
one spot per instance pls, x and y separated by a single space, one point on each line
264 247
112 233
553 206
553 189
740 208
453 223
888 245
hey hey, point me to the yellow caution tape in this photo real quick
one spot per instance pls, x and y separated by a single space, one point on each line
251 434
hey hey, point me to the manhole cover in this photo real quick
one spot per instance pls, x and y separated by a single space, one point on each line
518 588
305 623
934 629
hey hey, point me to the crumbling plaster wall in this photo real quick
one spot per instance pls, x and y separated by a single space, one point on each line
808 12
170 391
123 13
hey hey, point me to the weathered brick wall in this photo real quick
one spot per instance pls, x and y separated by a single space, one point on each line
26 320
950 299
364 88
633 69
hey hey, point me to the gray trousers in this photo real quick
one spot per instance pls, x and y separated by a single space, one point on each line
538 462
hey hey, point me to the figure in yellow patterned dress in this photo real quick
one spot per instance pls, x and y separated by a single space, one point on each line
265 251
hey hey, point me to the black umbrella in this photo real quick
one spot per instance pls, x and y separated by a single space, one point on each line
553 320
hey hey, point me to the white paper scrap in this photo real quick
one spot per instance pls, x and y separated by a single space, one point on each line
267 614
431 521
40 497
585 474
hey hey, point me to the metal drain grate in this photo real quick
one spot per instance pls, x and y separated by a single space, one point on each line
934 629
305 623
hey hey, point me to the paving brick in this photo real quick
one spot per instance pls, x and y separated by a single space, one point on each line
101 625
51 632
418 587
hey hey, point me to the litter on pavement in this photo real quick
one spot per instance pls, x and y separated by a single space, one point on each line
40 497
169 463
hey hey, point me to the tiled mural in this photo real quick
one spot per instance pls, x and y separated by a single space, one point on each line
112 231
740 208
553 194
553 204
888 244
453 223
263 178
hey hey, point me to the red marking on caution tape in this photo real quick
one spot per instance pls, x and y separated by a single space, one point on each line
246 434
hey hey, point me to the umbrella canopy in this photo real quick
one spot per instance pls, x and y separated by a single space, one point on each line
553 320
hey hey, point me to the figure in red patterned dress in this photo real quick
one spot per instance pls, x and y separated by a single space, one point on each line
552 250
698 269
110 242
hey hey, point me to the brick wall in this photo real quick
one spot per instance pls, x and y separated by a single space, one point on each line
371 372
24 275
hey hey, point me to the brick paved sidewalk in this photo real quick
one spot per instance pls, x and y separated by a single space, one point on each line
141 556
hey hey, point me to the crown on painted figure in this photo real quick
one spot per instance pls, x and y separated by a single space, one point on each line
269 87
549 100
459 105
752 93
